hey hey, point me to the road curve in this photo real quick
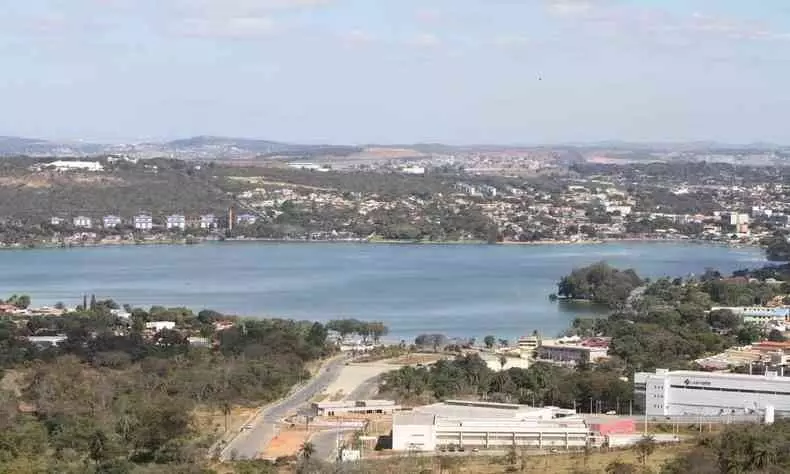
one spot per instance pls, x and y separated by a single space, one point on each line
248 444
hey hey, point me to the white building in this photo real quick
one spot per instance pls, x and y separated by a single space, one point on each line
356 407
82 222
73 165
47 341
160 325
246 219
571 353
208 221
176 221
143 222
482 424
690 393
56 220
111 222
418 170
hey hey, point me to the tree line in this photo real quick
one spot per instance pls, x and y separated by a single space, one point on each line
114 398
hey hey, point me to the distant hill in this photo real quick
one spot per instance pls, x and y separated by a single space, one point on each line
10 146
201 147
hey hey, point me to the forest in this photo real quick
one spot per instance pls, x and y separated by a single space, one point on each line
114 399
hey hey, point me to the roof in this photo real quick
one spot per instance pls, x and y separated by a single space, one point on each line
412 418
482 411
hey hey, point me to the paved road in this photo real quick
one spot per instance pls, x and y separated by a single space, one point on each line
325 442
248 444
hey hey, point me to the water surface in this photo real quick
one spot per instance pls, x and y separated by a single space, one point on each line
458 290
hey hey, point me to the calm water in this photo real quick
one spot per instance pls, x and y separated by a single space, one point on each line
455 290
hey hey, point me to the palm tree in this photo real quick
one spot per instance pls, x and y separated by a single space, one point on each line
502 362
307 450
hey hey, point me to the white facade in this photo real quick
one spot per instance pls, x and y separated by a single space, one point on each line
83 222
143 222
176 222
690 393
74 165
160 325
570 353
208 221
111 222
484 425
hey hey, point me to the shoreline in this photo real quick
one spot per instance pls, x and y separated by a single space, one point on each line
186 242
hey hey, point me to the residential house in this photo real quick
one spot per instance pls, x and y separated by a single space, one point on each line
82 222
176 221
143 222
110 222
208 221
160 325
56 220
246 219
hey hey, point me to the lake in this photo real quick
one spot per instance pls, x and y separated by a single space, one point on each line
457 290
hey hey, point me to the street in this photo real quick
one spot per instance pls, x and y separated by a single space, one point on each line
248 444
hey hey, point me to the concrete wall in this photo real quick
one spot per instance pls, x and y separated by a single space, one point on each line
413 437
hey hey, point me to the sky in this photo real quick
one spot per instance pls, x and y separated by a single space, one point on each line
397 71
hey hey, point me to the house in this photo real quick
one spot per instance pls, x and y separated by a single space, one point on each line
176 221
160 325
111 222
208 221
246 219
143 222
82 222
56 220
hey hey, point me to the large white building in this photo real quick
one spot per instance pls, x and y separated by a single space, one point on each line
61 165
484 425
690 393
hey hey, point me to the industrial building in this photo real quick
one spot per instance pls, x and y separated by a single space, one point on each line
690 393
485 425
355 407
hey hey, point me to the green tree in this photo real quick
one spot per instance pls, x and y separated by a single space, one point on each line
489 341
645 447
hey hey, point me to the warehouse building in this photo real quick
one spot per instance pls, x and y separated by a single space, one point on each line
485 425
355 407
690 393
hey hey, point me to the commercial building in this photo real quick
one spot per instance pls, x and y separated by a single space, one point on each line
758 314
73 165
355 407
690 393
486 425
571 353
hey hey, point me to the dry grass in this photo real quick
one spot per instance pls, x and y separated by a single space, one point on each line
212 422
561 463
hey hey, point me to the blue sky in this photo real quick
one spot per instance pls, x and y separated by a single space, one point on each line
397 71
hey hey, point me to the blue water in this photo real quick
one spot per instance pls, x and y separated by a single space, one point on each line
464 290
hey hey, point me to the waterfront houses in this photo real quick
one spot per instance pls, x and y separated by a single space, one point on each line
82 222
111 222
176 221
143 222
208 221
